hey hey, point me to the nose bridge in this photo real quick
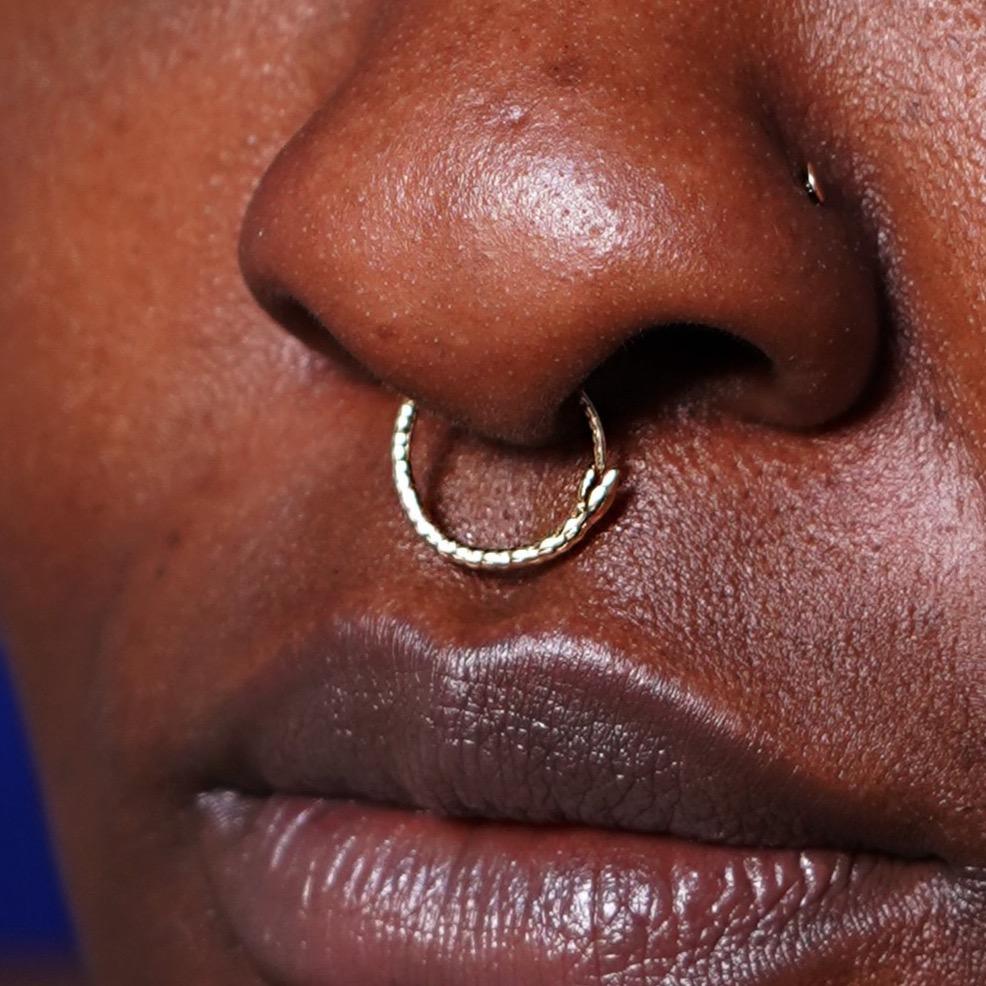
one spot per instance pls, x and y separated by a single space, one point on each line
505 193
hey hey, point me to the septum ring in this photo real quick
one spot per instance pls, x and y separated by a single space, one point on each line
595 495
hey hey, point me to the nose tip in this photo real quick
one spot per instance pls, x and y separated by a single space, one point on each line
484 253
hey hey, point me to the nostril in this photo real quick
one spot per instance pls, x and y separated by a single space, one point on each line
310 331
677 367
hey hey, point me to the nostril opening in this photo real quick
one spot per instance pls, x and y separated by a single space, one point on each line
675 367
308 329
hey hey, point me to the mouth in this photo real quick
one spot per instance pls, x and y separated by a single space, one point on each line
541 810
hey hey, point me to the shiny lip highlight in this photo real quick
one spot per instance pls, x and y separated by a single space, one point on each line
342 893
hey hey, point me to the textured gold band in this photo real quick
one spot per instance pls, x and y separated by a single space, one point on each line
595 494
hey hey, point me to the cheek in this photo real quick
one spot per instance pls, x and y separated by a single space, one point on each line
137 352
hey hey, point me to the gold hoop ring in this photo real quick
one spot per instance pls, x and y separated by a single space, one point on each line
595 495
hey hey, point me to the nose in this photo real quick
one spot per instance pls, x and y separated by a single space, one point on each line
502 196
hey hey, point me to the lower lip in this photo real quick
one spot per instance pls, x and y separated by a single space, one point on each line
335 892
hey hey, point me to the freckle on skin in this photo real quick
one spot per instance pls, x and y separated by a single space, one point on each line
568 72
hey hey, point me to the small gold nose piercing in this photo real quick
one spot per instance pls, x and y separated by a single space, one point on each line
813 185
595 495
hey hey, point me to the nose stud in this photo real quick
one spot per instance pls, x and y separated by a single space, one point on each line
595 495
813 185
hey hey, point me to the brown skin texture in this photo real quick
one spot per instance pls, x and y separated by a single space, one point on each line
44 972
234 230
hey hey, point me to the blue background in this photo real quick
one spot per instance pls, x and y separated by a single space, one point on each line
32 917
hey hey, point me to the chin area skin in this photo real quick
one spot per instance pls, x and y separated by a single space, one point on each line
737 736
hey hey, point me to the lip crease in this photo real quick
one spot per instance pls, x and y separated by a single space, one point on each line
536 810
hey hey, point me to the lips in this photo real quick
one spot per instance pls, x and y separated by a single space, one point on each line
545 729
340 893
396 810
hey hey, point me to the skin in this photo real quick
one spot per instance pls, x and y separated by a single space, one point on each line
234 231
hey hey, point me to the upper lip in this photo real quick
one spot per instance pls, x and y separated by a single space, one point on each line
542 728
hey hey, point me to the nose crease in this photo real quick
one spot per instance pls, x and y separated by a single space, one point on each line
499 232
